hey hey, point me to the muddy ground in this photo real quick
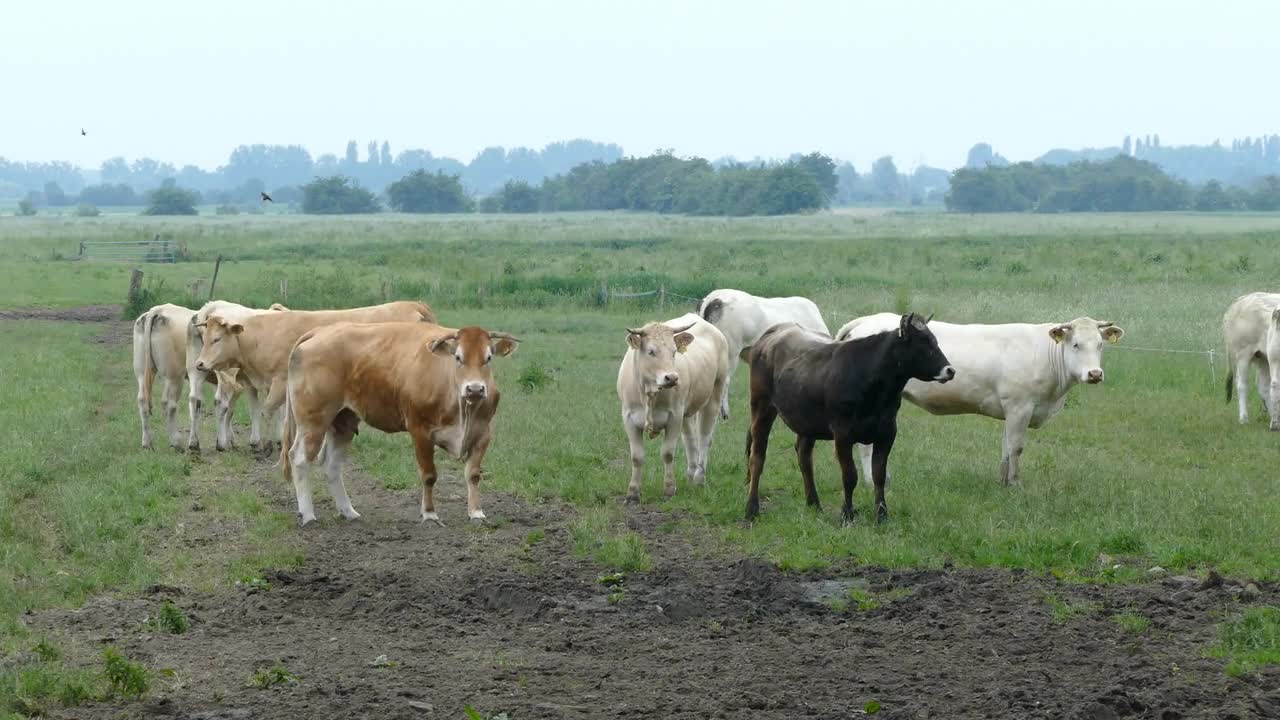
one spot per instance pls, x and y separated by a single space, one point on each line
482 616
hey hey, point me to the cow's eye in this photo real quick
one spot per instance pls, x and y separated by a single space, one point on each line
1076 345
653 353
487 358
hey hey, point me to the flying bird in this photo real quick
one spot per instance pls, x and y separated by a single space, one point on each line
82 132
266 197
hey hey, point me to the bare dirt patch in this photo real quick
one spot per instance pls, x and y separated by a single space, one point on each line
84 313
494 618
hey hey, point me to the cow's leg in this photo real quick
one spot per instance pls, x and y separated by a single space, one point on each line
804 454
172 393
144 411
195 390
472 471
272 403
255 417
848 476
425 452
692 448
306 445
1242 387
337 441
669 440
763 413
879 465
635 439
226 436
707 420
728 380
1272 394
864 453
1015 436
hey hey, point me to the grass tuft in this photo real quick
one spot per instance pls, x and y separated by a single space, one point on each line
1250 641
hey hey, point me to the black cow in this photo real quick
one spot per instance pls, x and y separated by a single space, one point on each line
847 391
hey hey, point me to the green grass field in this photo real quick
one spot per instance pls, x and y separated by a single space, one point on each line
1150 468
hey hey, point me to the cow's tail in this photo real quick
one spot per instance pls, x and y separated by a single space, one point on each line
148 358
711 311
1231 376
287 432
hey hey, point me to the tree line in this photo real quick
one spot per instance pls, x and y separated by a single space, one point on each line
1121 184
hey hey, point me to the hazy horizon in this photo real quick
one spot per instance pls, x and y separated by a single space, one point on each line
922 81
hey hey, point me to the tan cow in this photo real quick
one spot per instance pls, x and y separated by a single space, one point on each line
1251 330
672 379
434 383
196 379
259 345
159 348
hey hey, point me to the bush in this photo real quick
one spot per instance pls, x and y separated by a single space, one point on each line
169 199
87 210
107 194
337 195
519 196
423 192
125 679
227 209
26 208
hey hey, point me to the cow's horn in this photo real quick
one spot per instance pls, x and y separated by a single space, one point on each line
926 320
635 332
504 336
196 324
1105 324
677 331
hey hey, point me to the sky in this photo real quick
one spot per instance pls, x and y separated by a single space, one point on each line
922 80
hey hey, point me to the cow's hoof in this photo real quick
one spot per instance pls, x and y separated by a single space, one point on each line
431 517
669 492
305 520
631 500
353 516
476 516
1275 427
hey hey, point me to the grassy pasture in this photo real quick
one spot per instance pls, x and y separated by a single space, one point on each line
1150 468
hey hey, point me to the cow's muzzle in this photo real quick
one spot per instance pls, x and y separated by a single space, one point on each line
474 391
947 375
1093 377
201 366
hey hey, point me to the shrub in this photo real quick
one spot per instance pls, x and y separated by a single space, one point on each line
87 210
125 679
26 208
169 199
337 195
423 192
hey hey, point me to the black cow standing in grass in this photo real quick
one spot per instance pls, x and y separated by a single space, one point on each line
848 392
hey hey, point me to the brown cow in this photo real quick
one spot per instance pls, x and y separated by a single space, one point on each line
260 344
434 383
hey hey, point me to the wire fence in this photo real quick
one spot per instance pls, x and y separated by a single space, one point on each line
662 293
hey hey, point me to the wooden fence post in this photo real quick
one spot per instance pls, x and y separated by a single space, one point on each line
384 291
135 286
284 291
81 249
213 283
662 298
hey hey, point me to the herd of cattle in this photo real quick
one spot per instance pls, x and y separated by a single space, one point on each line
393 367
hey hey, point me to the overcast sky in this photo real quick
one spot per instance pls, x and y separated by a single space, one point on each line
922 80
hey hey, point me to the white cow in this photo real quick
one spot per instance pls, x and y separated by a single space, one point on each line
196 378
743 318
159 348
1251 329
670 381
1016 372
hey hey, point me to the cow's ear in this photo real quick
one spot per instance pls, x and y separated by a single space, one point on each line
446 345
1059 333
236 328
682 341
635 340
1112 334
503 345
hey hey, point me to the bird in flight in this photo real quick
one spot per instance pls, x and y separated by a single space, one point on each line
266 197
82 132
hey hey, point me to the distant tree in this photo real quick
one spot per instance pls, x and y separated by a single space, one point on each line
1267 195
1155 141
1127 147
789 188
87 210
108 194
518 196
353 154
1212 197
1122 183
54 196
287 195
823 170
169 199
846 183
372 157
387 160
26 208
423 192
979 156
884 174
490 204
337 195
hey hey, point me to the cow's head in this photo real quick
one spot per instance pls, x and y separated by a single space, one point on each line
221 340
920 355
656 345
472 349
1081 341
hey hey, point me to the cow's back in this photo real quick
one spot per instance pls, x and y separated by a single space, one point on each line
275 333
800 310
1246 322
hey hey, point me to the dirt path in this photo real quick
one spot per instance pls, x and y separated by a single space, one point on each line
480 616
